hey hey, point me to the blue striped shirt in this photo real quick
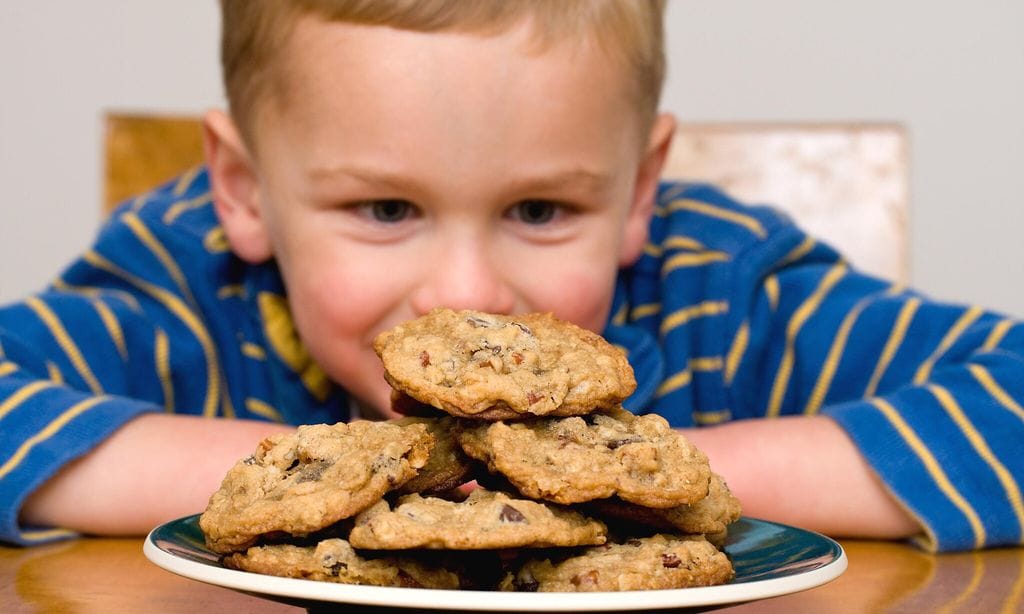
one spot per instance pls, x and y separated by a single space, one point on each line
731 313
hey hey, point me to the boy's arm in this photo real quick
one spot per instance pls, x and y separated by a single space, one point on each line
154 319
154 468
891 406
882 401
804 471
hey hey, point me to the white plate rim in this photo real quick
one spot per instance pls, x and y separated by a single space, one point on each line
493 601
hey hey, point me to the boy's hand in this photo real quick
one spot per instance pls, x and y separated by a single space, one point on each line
155 468
803 471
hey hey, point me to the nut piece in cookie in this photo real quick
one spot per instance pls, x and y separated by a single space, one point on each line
640 459
301 482
334 560
493 367
485 520
658 562
447 467
712 515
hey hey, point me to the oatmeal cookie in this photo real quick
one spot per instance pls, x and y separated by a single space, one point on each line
301 482
485 520
479 365
334 560
658 562
447 467
571 460
710 516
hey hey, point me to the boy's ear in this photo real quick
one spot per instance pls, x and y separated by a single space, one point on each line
235 188
648 176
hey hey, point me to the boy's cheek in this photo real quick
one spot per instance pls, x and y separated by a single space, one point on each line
579 296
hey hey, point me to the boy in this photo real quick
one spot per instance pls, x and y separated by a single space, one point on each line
384 158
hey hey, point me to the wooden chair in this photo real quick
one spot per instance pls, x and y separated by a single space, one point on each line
142 151
844 183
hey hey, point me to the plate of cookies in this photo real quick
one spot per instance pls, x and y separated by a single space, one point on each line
515 482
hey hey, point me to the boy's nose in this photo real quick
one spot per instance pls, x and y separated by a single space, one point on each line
463 276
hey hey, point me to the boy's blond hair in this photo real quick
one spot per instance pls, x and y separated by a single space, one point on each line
254 33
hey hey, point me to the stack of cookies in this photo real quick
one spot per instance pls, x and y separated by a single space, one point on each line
574 493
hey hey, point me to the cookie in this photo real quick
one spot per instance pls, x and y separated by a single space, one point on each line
334 560
710 516
657 562
492 367
447 467
301 482
640 459
484 520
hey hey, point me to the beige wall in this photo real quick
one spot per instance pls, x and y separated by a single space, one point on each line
952 71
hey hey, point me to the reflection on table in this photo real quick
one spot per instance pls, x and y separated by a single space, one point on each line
112 575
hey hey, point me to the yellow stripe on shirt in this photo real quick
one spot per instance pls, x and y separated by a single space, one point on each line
749 222
990 385
688 259
162 361
682 242
934 469
736 351
686 314
231 291
969 317
684 377
23 394
113 327
6 368
185 205
674 382
66 343
771 289
182 312
98 293
153 244
796 322
53 372
892 344
619 318
251 350
995 337
980 446
185 181
673 242
263 410
48 431
708 418
835 353
216 241
798 252
45 534
642 311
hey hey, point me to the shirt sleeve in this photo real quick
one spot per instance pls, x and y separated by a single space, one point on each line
931 393
119 334
73 369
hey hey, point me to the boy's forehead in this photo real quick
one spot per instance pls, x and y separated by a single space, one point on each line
320 51
336 73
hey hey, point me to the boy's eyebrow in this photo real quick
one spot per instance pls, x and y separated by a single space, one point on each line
579 177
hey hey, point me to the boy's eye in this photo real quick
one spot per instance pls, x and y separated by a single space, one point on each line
534 211
388 211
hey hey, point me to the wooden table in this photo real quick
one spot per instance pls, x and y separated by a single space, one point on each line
112 575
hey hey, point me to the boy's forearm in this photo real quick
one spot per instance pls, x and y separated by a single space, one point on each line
155 468
803 471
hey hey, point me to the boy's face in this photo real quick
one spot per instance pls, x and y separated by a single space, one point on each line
405 171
